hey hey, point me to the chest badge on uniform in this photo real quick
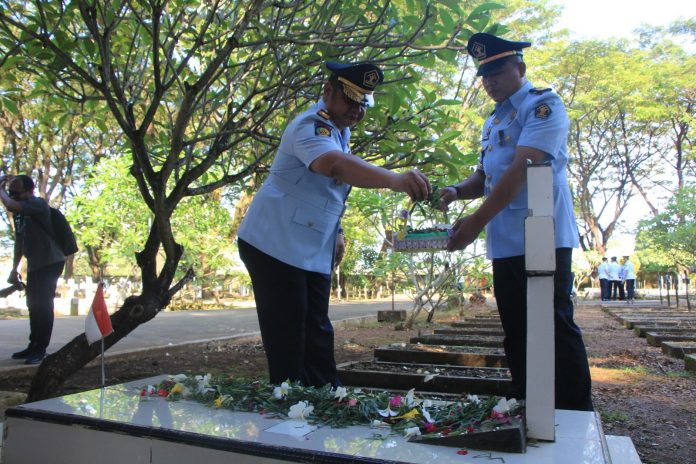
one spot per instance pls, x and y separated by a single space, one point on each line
322 129
542 111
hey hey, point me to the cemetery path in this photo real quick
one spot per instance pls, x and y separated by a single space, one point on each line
639 392
169 328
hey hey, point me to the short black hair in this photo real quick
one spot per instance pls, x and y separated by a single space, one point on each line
27 182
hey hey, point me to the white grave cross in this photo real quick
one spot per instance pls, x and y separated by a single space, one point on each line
540 263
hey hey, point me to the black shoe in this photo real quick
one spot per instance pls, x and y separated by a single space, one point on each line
21 354
35 358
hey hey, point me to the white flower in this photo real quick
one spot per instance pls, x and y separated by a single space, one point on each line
412 432
429 377
504 405
427 403
473 399
203 383
426 415
282 391
300 410
179 377
409 397
341 392
387 412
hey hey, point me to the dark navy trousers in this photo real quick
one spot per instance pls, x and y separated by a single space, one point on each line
573 384
293 309
40 291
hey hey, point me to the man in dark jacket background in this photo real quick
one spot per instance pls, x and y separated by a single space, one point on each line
45 260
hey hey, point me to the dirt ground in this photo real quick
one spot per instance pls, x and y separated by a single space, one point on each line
638 391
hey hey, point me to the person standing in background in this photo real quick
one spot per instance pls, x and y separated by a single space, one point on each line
630 279
45 260
614 278
603 274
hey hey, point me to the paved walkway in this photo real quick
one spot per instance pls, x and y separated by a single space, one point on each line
169 328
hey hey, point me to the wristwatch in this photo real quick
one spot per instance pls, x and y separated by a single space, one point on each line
456 189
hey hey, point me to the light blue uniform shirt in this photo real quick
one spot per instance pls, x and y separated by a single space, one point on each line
295 214
629 271
536 119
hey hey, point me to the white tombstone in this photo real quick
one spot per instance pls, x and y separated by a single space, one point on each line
540 263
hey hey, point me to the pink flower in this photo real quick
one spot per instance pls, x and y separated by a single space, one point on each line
352 402
396 401
430 427
462 452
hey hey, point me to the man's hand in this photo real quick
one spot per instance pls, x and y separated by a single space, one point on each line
340 249
413 183
14 278
447 196
464 232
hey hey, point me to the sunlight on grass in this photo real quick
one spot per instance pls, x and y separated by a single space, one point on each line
612 415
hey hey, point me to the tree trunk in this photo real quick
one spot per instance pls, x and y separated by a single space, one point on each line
59 366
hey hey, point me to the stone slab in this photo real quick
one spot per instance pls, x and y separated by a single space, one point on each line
477 324
391 316
419 354
641 330
470 331
425 377
690 362
656 338
678 349
630 323
114 427
436 339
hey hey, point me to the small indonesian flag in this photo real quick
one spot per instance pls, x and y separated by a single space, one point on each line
98 322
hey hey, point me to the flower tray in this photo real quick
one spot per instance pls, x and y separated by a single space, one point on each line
447 339
431 239
426 377
441 354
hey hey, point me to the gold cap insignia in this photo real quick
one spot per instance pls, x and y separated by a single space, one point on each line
478 50
371 79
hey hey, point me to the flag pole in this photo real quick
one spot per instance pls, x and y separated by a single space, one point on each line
103 370
103 374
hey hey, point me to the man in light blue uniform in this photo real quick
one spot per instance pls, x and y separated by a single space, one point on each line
291 236
527 124
629 276
603 274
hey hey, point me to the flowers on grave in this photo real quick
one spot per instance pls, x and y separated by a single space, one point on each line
282 391
301 410
342 406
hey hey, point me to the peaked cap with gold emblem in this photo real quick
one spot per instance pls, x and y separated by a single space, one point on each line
489 51
359 80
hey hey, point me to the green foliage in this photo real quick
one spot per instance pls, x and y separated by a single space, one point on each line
112 225
670 237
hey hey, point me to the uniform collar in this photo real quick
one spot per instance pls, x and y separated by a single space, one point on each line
321 105
516 98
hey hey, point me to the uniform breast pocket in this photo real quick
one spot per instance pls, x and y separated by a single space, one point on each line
312 218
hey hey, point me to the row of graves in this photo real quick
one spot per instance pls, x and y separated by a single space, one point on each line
672 330
438 398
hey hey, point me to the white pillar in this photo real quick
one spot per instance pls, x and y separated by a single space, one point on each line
540 263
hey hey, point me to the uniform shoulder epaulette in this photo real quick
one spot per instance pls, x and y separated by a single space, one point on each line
539 90
324 114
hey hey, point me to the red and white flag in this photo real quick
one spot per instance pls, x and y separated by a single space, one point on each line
98 322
